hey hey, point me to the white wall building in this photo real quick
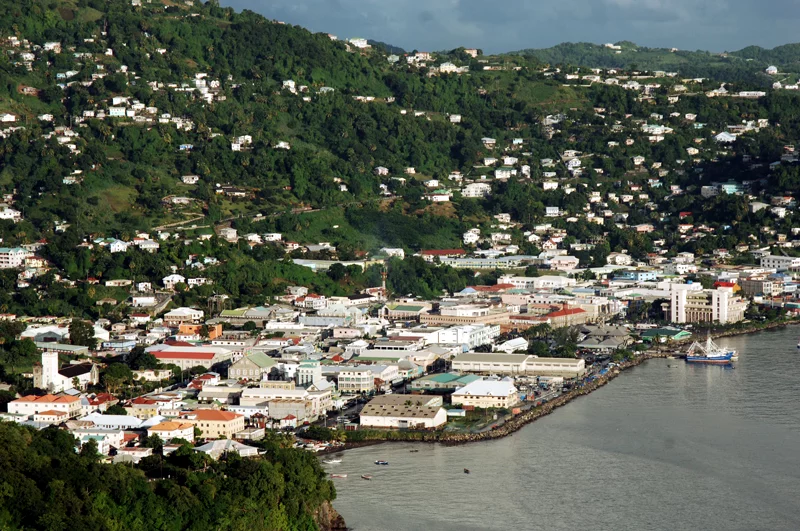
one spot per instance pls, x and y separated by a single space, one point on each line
486 394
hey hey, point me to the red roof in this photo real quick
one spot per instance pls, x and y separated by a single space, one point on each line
183 355
721 284
289 417
174 343
101 398
337 358
142 400
442 252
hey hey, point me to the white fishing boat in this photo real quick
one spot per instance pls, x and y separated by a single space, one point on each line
710 352
333 461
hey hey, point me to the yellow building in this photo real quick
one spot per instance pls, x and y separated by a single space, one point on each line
215 424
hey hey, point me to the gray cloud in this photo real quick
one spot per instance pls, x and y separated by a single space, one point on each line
507 25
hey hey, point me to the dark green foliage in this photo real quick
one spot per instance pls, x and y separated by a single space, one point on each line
50 486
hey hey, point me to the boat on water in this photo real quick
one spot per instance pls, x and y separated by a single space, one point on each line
381 462
338 476
710 352
331 461
413 451
798 344
466 470
366 476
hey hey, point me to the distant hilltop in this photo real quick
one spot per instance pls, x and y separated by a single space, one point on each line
625 53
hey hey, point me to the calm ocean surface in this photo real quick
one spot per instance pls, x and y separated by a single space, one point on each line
687 447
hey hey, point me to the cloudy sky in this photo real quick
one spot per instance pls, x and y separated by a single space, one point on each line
507 25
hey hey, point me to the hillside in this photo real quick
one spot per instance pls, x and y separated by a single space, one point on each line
209 87
747 64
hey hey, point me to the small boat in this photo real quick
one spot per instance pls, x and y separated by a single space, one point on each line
338 476
381 462
413 451
331 461
466 470
366 476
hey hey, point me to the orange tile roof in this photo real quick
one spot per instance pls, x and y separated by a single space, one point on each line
47 399
52 413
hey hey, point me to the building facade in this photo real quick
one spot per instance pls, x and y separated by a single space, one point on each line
691 305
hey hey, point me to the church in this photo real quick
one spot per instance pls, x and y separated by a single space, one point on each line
48 376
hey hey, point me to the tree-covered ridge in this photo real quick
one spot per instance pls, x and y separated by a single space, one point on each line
747 64
46 484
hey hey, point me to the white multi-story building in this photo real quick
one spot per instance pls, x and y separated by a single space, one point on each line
309 373
34 405
477 190
779 263
358 380
13 257
690 303
487 394
470 335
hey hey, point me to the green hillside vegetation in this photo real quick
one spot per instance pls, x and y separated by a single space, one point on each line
128 170
747 64
55 487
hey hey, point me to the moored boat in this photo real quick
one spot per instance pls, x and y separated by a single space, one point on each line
710 352
366 476
338 476
381 462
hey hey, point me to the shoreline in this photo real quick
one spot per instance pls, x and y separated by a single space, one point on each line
518 422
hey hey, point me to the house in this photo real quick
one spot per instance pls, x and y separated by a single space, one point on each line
190 179
171 281
169 430
229 234
217 449
214 424
183 315
255 366
621 259
487 394
117 246
397 252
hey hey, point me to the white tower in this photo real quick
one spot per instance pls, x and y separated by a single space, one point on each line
49 370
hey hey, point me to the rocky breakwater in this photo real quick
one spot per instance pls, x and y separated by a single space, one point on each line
516 423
